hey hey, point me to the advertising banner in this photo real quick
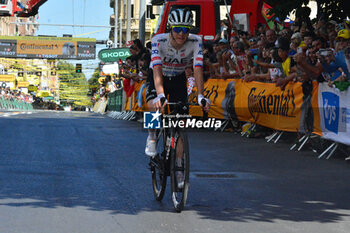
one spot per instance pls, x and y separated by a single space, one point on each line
257 102
47 47
334 108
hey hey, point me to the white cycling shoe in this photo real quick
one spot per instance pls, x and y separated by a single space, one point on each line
151 147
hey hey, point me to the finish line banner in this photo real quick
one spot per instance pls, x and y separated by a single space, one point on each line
334 107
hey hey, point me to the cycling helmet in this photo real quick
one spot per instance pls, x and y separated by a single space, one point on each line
180 17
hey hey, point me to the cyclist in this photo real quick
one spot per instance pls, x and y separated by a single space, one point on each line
171 53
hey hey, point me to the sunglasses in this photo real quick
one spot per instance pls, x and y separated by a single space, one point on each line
184 29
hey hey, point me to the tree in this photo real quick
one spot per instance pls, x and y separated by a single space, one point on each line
329 9
93 81
73 87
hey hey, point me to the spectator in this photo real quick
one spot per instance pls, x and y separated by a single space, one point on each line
271 36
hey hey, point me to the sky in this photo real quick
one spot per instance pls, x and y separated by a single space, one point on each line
78 12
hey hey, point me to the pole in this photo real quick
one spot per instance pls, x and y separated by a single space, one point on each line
142 21
120 32
116 13
128 21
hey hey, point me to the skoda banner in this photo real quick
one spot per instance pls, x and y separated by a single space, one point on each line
113 55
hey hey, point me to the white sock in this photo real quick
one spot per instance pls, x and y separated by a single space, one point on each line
179 162
152 135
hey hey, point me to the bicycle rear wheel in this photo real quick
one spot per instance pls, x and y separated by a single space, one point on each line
179 192
158 168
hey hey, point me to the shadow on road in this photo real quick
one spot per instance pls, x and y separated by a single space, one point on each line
98 165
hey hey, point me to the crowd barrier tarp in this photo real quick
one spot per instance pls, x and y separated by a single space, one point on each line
115 101
137 101
334 110
256 102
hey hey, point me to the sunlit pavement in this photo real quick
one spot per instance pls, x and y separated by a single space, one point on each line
85 172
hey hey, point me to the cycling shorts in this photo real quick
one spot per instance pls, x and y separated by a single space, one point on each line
175 88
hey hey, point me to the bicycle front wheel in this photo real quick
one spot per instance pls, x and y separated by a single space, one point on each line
180 170
158 168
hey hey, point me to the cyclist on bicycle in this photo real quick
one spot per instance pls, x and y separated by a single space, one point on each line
171 53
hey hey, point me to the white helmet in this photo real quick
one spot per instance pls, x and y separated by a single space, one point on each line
180 17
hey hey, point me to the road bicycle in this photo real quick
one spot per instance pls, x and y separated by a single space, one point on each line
164 163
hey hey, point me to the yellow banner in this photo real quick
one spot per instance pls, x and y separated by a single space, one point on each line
266 105
51 47
7 78
214 90
257 102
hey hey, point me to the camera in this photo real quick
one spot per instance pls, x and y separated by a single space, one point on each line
324 52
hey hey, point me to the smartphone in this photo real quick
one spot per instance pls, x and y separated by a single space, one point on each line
299 50
323 52
255 58
254 51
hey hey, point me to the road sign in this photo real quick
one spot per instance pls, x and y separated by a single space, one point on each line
47 47
113 55
111 69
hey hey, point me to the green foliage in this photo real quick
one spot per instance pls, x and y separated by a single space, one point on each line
73 87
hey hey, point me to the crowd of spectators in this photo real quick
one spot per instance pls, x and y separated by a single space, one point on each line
300 51
9 94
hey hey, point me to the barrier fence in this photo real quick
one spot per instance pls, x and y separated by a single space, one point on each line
302 107
14 104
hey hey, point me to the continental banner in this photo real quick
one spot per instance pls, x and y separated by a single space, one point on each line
256 102
47 47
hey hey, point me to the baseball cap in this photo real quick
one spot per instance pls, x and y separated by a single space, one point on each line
344 33
296 35
223 41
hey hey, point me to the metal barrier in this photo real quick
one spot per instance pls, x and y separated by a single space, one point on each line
13 104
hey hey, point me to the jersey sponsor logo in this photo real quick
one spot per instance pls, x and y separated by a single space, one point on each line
182 54
171 60
162 40
174 65
154 44
199 59
200 52
155 52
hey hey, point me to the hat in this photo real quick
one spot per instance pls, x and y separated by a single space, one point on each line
223 41
332 22
296 35
344 33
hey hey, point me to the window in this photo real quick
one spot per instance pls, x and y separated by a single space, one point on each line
149 11
3 2
132 11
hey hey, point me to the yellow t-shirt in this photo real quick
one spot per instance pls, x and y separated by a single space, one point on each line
286 66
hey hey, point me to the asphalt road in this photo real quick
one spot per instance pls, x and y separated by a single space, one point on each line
83 172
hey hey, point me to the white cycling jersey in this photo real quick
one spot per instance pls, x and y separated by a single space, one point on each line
174 62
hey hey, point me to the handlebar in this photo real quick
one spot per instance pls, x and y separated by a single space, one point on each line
203 102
